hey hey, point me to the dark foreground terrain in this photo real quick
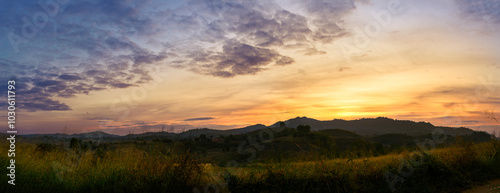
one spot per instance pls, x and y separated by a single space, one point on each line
278 158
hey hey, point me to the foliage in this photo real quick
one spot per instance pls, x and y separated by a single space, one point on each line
303 129
176 167
45 147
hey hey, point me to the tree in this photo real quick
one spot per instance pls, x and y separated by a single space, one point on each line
203 137
282 124
73 144
303 129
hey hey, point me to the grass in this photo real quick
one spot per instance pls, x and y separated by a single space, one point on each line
120 170
129 168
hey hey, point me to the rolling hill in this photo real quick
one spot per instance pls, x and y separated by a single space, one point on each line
383 127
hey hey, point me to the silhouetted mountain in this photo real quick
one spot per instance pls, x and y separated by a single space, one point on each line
336 128
479 136
376 126
340 133
94 135
216 133
89 135
152 135
247 129
394 139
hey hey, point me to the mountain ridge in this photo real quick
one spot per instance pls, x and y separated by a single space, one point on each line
363 126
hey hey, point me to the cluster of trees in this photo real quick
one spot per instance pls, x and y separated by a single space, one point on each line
77 145
303 129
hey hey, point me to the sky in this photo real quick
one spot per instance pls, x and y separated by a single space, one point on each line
123 66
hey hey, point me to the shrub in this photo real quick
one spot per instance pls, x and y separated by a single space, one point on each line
45 147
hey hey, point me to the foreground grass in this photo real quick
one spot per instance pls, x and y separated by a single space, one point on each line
129 169
445 170
121 170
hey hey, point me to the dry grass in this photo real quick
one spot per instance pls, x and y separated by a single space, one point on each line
129 169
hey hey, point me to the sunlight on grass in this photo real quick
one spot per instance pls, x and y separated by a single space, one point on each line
131 169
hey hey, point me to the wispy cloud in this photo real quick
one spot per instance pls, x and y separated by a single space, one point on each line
199 119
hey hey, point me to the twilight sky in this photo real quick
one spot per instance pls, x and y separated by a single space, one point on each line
134 66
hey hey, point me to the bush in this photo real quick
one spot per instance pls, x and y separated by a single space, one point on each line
45 147
303 129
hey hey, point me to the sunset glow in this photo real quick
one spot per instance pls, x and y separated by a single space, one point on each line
116 66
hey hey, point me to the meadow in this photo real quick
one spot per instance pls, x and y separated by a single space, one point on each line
155 166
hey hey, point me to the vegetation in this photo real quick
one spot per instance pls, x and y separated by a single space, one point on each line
267 160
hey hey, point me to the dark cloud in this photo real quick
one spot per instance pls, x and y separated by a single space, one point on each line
69 77
121 85
260 26
35 92
285 60
96 45
471 121
483 10
49 83
199 119
237 59
97 118
43 104
35 97
127 17
326 16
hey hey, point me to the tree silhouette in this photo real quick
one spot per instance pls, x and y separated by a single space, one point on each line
73 144
203 137
303 129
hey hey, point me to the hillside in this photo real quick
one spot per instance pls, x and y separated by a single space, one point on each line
337 128
377 126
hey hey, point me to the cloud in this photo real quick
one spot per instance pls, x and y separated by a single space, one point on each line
199 119
312 51
72 55
37 90
260 26
341 69
487 10
471 121
237 59
69 77
326 14
449 91
285 60
43 104
49 83
121 85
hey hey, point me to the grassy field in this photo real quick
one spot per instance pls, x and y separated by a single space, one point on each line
136 167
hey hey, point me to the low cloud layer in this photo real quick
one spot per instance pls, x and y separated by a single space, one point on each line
199 119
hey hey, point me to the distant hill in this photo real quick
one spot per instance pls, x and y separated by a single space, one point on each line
376 126
339 133
89 135
217 133
394 139
327 139
337 128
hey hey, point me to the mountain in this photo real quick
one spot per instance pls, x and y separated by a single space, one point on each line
394 139
375 126
247 129
89 135
339 133
368 127
216 133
